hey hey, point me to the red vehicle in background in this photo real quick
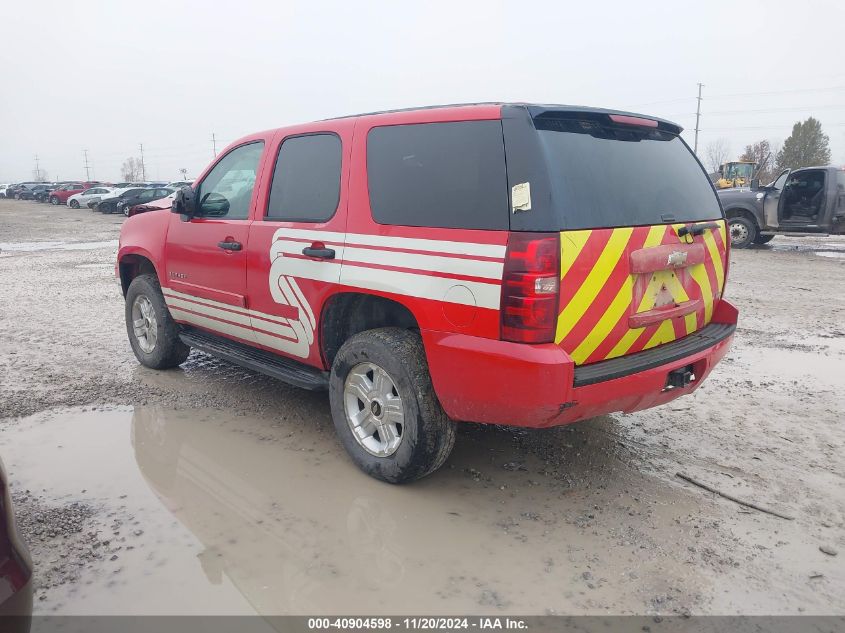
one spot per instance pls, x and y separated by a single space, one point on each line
60 195
515 264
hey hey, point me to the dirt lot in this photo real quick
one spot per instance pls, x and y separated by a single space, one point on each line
211 489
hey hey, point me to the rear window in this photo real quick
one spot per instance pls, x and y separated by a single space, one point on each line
605 176
449 175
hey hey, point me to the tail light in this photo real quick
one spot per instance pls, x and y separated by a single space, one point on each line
530 285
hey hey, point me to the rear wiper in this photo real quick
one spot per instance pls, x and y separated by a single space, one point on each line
696 229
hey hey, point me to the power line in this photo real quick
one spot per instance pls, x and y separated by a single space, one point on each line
763 110
742 94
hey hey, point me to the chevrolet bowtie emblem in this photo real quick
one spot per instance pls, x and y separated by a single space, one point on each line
676 259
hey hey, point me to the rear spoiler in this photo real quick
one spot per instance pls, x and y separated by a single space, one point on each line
617 117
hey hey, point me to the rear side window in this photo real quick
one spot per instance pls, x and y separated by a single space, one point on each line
449 175
306 181
608 176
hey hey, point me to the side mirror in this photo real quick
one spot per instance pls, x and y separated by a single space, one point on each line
755 183
184 202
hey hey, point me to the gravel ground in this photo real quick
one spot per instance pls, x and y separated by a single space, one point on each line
239 491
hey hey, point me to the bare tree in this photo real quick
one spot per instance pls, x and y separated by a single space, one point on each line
716 153
39 175
763 153
131 169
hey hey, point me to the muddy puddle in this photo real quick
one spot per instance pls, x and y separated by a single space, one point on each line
206 514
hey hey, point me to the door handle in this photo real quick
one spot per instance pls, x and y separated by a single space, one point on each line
318 249
230 246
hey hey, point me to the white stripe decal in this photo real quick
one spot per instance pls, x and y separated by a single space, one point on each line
234 317
174 294
416 244
434 263
283 345
423 286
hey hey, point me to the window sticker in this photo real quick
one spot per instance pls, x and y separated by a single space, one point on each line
521 197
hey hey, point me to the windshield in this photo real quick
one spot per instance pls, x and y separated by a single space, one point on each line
739 170
608 176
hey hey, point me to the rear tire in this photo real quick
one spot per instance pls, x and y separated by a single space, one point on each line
74 204
54 200
742 232
380 382
153 333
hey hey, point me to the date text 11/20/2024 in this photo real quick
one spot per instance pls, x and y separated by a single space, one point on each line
420 623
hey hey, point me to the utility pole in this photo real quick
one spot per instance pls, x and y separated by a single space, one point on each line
697 117
143 169
87 166
37 169
214 144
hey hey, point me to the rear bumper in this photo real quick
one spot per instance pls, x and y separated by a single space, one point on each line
498 382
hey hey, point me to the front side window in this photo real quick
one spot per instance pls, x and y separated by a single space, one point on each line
227 190
449 175
306 181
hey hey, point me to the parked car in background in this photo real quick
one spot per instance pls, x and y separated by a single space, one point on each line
84 197
108 203
3 188
127 185
15 568
155 205
178 184
142 197
30 193
799 203
44 194
61 195
14 191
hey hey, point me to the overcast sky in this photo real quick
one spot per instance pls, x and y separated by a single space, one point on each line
109 76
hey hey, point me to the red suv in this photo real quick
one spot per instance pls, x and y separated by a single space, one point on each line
506 263
61 194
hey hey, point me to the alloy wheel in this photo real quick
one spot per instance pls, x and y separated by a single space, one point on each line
373 409
144 323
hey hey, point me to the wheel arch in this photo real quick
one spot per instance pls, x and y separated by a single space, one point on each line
345 314
742 212
131 265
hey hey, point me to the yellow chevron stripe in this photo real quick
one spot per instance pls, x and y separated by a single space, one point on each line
569 252
655 236
624 344
710 241
618 307
594 282
699 275
664 334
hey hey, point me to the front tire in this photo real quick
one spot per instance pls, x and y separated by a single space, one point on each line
384 407
153 333
742 231
74 204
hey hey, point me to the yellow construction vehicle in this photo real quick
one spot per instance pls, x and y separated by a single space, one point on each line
734 174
